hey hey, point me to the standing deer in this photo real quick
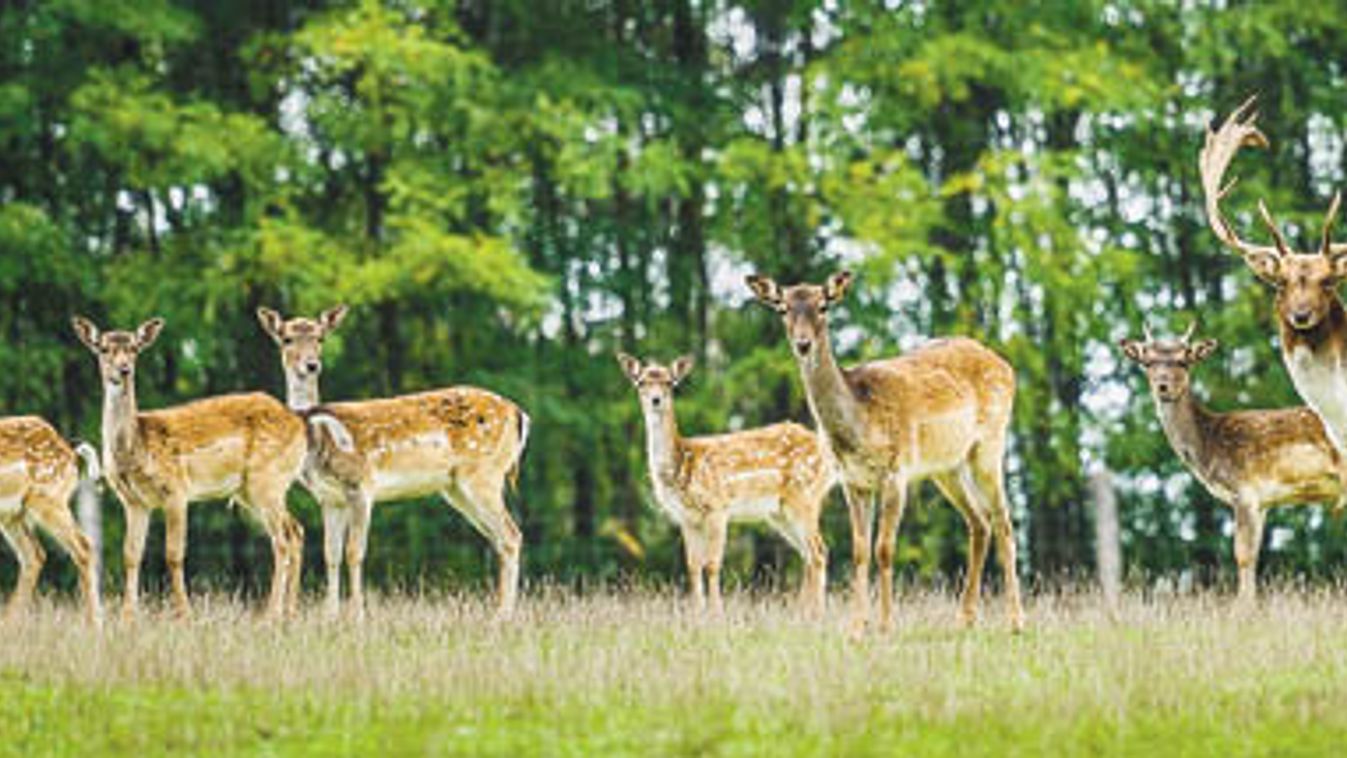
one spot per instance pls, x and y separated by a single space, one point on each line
461 443
1249 460
245 448
38 473
776 474
1310 314
939 412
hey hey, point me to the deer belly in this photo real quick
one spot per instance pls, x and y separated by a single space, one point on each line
215 470
413 467
755 509
754 493
1325 391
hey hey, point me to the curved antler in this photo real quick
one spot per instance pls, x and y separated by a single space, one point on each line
1188 335
1217 152
1327 246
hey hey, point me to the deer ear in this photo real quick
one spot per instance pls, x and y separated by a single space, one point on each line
148 332
1201 350
1339 262
86 331
1266 266
630 366
766 291
1133 349
836 287
681 367
332 317
271 322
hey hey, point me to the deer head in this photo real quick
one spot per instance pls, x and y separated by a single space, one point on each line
1168 362
1306 283
301 339
117 351
655 383
803 309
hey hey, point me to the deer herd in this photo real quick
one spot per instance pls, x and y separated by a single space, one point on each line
940 412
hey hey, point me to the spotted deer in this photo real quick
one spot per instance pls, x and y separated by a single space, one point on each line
461 443
38 473
777 474
1310 315
939 412
244 448
1250 460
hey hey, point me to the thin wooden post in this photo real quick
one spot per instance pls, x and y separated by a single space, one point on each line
1107 535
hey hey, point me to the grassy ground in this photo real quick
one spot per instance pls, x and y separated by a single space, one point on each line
638 676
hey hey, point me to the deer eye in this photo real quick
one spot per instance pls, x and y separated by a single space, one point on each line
288 341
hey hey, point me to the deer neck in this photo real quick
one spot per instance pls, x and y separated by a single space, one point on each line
1186 422
830 397
301 392
663 444
121 432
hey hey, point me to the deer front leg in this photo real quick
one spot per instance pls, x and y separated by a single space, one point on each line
715 557
175 551
1249 520
860 505
357 543
133 551
895 501
693 550
335 516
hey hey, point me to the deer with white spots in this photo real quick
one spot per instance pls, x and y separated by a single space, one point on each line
1311 317
1250 460
243 448
777 474
461 443
38 473
939 412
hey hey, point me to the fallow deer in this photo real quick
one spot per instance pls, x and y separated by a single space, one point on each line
1250 460
777 474
245 448
38 473
1311 319
461 443
939 412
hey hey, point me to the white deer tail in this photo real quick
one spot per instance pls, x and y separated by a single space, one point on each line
341 436
523 429
93 470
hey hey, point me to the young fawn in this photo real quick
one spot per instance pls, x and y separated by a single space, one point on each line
939 412
245 448
1250 460
776 474
461 443
38 473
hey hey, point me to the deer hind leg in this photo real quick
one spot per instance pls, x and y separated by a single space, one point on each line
1249 520
891 515
988 478
483 504
360 508
860 505
175 552
335 518
31 556
53 514
959 489
133 552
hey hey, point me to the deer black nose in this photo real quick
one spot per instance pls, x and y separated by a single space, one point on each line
802 346
1301 318
124 370
313 366
655 401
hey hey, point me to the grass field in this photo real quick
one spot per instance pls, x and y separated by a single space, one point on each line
637 675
